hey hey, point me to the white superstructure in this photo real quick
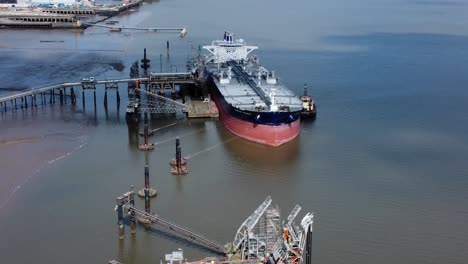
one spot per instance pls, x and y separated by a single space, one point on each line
228 49
243 82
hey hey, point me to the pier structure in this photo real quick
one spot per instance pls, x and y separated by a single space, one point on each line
147 192
168 227
262 238
155 87
146 145
32 19
179 164
127 198
48 94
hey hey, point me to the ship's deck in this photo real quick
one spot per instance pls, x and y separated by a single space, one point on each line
246 90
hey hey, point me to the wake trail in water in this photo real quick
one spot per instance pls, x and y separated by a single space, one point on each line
37 171
15 190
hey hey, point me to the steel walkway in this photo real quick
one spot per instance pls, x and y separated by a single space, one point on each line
153 78
178 230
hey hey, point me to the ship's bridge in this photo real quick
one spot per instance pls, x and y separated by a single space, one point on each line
225 50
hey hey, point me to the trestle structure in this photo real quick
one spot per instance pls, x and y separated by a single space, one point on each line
126 201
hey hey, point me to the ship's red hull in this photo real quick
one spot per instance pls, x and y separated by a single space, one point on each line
259 133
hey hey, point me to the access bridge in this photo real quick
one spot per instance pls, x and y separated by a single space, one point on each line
155 83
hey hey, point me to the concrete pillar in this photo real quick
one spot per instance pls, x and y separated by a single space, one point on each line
118 98
160 62
120 222
83 98
132 213
147 190
177 143
72 96
145 131
94 92
105 98
179 158
61 96
167 46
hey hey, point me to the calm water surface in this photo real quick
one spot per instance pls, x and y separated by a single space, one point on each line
383 166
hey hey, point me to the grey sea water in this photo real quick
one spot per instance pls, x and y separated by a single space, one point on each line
384 167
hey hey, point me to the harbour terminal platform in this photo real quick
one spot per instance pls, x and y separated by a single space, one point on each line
73 17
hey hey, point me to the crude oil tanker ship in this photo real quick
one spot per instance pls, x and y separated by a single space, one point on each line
252 103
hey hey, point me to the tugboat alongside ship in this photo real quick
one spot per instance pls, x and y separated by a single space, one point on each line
309 110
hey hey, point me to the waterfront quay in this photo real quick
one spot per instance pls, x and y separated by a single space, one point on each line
62 17
38 19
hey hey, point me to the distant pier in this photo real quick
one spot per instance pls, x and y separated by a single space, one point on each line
59 18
